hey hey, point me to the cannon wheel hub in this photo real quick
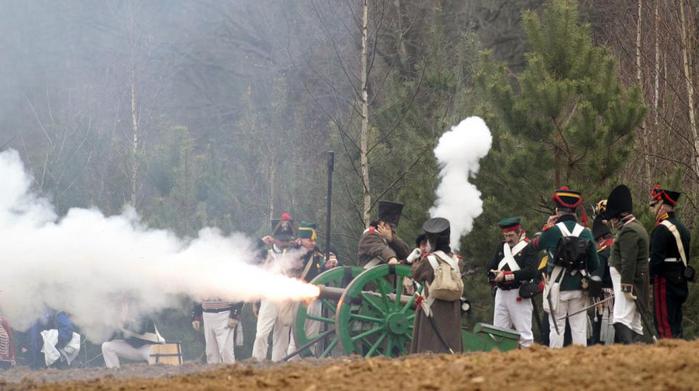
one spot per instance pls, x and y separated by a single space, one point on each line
397 323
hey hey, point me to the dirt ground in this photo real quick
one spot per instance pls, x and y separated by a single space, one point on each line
670 365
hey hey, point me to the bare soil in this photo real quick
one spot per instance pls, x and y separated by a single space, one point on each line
668 365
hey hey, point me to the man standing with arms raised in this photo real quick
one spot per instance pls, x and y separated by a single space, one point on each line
379 242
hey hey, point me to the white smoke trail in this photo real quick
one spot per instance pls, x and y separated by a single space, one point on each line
458 152
85 263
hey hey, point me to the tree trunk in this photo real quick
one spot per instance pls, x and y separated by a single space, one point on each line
402 51
639 80
135 140
656 68
135 135
364 135
690 85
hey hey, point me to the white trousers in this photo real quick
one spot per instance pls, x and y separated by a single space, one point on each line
511 313
269 321
312 328
118 348
624 309
219 338
569 302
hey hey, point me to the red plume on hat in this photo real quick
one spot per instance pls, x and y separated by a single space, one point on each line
669 197
286 216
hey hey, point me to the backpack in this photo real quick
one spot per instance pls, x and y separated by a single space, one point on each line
447 284
571 251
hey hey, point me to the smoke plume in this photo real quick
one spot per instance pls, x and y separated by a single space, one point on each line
86 263
458 153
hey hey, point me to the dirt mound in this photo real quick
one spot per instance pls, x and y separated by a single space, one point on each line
668 365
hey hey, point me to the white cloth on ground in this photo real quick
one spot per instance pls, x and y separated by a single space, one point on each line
52 354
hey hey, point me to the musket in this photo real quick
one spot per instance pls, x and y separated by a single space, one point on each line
587 308
548 298
555 325
644 318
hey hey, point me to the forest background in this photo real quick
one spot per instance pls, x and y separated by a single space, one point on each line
212 113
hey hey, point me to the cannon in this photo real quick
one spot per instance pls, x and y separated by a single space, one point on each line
366 312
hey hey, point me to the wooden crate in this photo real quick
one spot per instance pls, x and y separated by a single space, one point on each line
166 353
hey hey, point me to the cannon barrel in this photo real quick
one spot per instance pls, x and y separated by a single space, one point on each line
334 294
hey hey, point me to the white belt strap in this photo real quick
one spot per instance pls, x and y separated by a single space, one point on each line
509 258
577 230
673 229
432 258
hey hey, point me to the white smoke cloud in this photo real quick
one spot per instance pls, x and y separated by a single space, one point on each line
85 263
458 152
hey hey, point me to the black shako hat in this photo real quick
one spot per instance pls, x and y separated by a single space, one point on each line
599 228
618 202
436 226
389 212
438 232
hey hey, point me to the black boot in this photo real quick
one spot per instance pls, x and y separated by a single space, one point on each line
622 334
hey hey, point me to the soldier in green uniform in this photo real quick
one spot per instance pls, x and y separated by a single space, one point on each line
628 266
669 256
565 295
379 242
313 260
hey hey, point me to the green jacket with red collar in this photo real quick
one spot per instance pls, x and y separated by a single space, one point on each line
548 241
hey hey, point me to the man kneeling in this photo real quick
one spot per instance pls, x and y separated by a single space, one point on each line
132 342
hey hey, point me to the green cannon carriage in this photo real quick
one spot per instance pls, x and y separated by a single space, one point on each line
366 312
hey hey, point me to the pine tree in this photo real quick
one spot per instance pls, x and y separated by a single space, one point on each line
566 119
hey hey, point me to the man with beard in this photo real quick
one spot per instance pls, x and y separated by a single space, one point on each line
669 268
513 265
628 266
379 242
